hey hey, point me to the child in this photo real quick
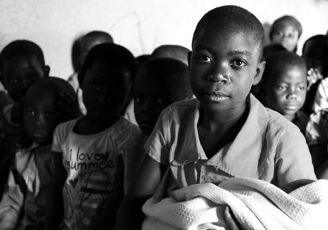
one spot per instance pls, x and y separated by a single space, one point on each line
315 53
171 51
159 83
87 42
225 132
32 164
256 90
90 150
317 136
284 83
286 30
21 63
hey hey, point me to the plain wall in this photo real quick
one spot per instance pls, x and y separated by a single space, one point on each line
139 25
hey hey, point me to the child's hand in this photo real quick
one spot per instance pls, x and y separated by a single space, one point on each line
313 75
68 107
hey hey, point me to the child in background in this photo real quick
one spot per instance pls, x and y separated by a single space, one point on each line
317 136
315 53
256 90
286 30
87 42
164 51
284 83
90 150
159 83
21 63
225 132
171 51
32 164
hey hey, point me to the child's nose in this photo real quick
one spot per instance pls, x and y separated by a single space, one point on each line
38 120
292 96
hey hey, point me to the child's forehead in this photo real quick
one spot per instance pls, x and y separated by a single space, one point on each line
227 34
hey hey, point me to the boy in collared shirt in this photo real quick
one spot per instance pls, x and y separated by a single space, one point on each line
225 132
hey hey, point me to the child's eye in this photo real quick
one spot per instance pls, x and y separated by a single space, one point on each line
239 63
138 100
302 87
204 58
13 81
162 101
281 87
30 113
95 86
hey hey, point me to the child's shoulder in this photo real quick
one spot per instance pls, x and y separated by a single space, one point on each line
182 108
277 122
124 127
66 126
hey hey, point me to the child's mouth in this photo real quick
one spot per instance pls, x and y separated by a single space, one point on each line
216 96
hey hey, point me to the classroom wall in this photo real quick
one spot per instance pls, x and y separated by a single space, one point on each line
139 25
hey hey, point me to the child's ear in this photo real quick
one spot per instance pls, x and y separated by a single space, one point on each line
259 72
46 70
189 57
80 77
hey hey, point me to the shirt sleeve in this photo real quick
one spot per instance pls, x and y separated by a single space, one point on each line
57 139
157 145
316 129
293 160
10 205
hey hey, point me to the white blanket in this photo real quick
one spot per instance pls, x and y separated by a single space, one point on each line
255 204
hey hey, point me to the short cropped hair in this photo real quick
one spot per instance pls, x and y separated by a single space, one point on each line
171 51
98 34
277 61
23 48
236 15
58 84
272 48
113 54
286 19
175 70
319 37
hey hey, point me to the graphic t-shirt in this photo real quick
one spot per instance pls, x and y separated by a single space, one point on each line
90 162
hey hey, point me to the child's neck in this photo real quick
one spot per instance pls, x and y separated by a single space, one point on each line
217 130
291 117
89 126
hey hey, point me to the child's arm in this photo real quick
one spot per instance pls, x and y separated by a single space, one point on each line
55 206
106 219
129 214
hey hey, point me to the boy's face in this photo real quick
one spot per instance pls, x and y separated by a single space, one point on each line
19 73
153 92
224 64
316 56
105 89
40 115
287 91
286 35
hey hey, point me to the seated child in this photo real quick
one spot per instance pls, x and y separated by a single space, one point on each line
284 83
286 30
32 164
21 63
224 132
315 53
86 43
268 50
89 151
171 51
159 83
317 136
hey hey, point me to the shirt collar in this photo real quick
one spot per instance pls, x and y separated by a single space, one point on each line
239 158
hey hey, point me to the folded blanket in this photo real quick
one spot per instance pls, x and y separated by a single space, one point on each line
254 204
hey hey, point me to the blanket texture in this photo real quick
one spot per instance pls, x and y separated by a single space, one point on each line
249 203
